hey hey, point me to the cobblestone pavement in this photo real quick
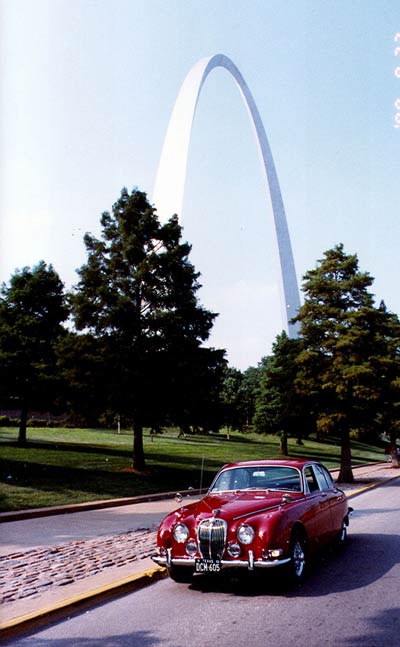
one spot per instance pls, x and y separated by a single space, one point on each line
28 574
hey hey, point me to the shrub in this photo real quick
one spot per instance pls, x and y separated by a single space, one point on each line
6 421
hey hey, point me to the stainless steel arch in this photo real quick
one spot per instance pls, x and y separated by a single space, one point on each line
170 184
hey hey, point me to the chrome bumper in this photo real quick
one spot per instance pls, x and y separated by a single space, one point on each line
250 564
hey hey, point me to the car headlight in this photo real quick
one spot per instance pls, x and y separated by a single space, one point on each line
180 533
245 534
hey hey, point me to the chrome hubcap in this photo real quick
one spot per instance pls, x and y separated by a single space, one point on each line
298 558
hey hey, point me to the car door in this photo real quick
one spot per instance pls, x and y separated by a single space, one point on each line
320 499
334 497
337 500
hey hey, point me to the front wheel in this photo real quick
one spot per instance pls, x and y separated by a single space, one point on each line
298 558
181 574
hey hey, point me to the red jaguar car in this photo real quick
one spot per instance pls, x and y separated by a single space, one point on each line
256 515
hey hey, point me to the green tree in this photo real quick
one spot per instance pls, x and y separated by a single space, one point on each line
279 407
137 293
232 396
261 421
192 384
389 379
82 365
32 309
345 350
251 377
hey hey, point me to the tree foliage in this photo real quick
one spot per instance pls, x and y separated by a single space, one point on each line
346 355
388 416
82 363
279 408
32 309
231 397
137 295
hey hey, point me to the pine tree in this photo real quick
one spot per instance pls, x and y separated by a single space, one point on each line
345 350
137 292
279 408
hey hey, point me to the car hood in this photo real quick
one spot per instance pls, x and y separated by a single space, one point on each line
233 505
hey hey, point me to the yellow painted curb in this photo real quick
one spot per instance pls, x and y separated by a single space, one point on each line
132 581
350 495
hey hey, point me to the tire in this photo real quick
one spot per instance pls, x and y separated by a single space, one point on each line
181 574
298 564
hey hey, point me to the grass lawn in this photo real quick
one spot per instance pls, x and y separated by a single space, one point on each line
60 466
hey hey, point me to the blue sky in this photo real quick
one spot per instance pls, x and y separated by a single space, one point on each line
86 91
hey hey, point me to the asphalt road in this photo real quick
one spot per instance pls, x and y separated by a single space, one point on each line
350 598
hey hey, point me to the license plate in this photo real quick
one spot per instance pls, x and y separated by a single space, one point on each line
207 565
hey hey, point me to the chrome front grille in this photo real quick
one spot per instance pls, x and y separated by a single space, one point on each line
211 535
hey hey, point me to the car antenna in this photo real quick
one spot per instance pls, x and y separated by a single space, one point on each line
201 473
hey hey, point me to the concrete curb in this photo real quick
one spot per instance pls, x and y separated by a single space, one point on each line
372 486
118 587
34 513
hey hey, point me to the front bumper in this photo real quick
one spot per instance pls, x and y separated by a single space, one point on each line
250 563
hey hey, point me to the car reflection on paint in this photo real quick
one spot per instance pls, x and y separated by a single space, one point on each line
256 515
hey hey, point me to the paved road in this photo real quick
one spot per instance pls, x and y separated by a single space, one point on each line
350 599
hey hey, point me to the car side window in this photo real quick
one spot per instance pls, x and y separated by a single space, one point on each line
322 481
327 476
311 480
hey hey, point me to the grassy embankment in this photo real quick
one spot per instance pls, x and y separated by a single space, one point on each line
61 466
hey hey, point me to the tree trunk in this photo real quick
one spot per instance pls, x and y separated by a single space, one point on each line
138 462
22 425
394 453
346 473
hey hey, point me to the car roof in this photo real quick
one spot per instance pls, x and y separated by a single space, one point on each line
289 462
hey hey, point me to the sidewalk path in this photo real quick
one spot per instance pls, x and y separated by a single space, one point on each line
49 561
84 525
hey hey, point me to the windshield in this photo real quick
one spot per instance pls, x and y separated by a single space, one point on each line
258 478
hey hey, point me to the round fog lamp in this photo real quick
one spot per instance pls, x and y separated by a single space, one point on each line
181 533
191 548
234 550
245 534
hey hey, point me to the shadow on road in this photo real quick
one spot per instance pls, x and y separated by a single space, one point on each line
366 559
135 639
333 571
385 628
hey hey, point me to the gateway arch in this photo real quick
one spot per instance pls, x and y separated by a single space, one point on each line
170 180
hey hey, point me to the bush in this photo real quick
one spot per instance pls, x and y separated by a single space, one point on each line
6 421
35 422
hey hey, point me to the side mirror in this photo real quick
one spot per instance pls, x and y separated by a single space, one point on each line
286 498
178 497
